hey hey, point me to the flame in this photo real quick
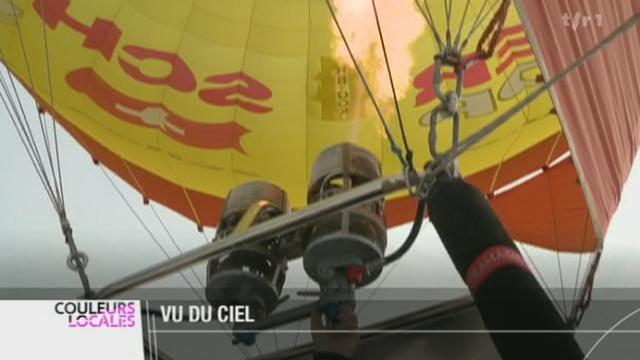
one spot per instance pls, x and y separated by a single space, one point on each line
401 25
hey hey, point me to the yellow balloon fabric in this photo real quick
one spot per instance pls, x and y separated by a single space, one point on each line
187 99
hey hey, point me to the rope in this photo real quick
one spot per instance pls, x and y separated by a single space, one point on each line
394 147
494 30
480 18
408 151
451 155
53 185
174 242
574 298
28 143
42 123
449 102
241 348
456 42
452 56
557 241
585 296
546 287
28 67
148 231
55 128
447 12
429 18
77 260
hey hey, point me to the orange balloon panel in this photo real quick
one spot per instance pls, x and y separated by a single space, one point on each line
185 100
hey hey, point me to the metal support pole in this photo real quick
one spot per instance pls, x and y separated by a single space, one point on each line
359 195
279 225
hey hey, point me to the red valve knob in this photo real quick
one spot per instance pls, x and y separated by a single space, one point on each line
355 274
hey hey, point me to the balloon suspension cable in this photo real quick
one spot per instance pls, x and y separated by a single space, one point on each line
450 55
77 260
395 149
490 36
365 193
584 299
407 148
59 188
445 160
426 13
50 176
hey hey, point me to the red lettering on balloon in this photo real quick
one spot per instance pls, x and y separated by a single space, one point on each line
103 35
154 115
180 78
234 89
239 86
